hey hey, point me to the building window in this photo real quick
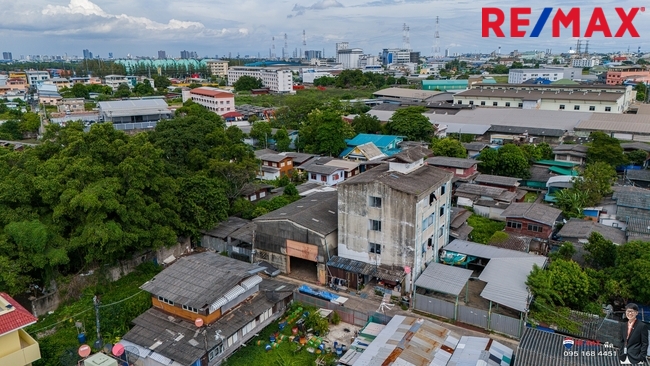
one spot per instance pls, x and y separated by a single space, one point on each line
561 106
576 107
323 178
514 224
375 248
166 301
442 210
189 308
215 352
592 107
535 228
441 231
520 105
443 189
608 109
507 104
375 201
375 225
232 339
460 102
471 102
482 102
432 198
495 104
313 176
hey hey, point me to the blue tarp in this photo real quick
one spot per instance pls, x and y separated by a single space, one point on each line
456 258
317 293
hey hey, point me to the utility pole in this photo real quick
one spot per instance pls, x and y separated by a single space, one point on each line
98 343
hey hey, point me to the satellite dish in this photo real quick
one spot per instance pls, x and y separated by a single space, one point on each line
117 350
84 350
198 322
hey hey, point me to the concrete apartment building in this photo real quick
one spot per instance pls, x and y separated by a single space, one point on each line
217 67
216 100
578 98
518 76
616 75
277 80
585 62
34 77
114 81
396 216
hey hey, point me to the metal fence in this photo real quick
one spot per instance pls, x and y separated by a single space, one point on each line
469 315
350 316
473 316
435 306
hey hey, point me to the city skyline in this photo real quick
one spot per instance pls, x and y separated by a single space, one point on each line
218 27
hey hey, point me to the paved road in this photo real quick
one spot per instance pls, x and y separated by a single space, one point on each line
371 304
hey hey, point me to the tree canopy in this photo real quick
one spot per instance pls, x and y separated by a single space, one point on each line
509 160
247 83
605 149
448 147
411 123
366 123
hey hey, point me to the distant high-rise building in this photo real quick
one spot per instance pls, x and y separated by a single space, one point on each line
87 54
312 54
185 54
7 56
162 55
110 55
447 52
193 54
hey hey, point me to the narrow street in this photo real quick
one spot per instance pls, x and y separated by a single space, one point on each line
372 302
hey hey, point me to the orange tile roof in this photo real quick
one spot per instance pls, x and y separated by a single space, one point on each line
214 93
14 320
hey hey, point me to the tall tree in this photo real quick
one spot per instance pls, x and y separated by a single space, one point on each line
596 180
606 149
123 91
448 147
410 122
602 252
366 123
247 83
512 162
261 133
324 133
282 140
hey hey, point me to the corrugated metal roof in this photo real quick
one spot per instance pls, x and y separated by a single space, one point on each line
539 348
472 351
351 265
482 250
629 127
506 280
381 141
443 278
250 282
234 292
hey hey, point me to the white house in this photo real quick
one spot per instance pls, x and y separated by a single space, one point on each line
216 100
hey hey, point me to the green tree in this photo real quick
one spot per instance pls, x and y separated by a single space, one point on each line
641 91
568 279
79 90
565 252
448 147
29 122
324 133
366 123
637 157
597 180
512 162
203 204
488 161
531 152
123 91
282 140
571 202
545 150
602 252
247 83
11 130
410 122
606 149
261 132
144 88
290 190
161 82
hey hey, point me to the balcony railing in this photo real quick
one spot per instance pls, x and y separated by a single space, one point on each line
28 352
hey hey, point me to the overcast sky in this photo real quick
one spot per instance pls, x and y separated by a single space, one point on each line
216 27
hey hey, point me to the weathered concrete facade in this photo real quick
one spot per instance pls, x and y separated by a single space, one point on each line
404 215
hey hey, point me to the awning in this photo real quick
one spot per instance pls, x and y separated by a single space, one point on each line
351 265
389 275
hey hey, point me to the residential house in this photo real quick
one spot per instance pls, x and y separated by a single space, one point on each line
220 236
638 228
474 148
632 204
388 211
509 183
463 169
639 178
114 81
578 231
363 152
556 184
486 201
633 146
329 171
504 134
571 152
531 219
256 191
17 84
298 159
539 176
389 145
17 347
275 166
205 306
71 105
521 243
299 237
59 83
459 228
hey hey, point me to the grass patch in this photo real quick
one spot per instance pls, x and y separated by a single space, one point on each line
501 79
484 228
59 345
286 354
278 100
530 197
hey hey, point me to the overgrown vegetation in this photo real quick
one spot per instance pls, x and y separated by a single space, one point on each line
57 334
484 228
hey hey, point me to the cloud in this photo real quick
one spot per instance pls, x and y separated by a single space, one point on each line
88 8
321 5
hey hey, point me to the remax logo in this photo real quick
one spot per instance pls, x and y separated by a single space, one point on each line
493 19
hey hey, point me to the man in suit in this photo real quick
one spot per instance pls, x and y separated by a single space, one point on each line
634 338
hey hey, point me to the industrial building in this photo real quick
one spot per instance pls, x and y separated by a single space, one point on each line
518 76
217 67
134 113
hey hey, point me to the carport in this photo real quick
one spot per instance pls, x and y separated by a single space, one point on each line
445 279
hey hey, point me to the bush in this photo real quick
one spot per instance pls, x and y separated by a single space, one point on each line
484 228
336 318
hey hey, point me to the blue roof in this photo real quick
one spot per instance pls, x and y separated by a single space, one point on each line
346 152
381 141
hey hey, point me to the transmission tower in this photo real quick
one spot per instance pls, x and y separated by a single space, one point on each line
304 38
587 49
285 46
578 47
273 47
408 38
436 40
